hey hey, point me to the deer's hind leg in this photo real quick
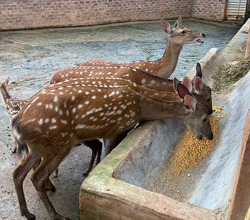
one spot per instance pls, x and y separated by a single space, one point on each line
49 185
19 174
40 177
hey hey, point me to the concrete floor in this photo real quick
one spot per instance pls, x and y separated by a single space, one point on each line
30 58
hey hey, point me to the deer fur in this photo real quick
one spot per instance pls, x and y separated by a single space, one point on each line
200 90
15 105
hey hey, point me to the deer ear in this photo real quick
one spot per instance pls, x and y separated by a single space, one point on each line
182 91
177 23
7 81
187 83
175 83
198 85
166 27
189 103
198 70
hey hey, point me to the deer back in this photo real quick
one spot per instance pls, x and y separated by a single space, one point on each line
132 74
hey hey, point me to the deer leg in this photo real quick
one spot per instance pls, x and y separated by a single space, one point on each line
49 185
19 175
99 152
111 143
39 179
96 147
14 148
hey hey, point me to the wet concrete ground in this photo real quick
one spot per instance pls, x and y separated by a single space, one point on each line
30 58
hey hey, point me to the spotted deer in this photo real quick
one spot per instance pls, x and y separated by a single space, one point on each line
178 36
67 113
12 105
200 90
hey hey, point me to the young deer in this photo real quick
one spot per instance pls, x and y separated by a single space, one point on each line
12 105
165 66
64 114
201 91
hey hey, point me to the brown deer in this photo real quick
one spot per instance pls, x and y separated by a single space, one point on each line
177 37
201 91
12 105
64 114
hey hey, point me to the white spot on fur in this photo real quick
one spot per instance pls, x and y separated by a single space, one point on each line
52 127
40 122
64 121
56 98
80 126
53 120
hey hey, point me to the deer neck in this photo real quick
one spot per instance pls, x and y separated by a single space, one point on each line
151 109
168 62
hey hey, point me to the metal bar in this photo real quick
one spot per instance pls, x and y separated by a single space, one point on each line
248 44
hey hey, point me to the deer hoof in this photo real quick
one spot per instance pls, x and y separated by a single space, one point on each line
53 189
86 173
31 217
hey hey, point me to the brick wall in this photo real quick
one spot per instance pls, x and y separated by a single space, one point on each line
18 14
209 9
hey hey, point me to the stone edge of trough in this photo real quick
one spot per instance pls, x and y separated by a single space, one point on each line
104 197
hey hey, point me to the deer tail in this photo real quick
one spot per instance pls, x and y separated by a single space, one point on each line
16 129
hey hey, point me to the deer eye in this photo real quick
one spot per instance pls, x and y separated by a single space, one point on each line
183 32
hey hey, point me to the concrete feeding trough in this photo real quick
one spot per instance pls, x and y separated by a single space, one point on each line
118 187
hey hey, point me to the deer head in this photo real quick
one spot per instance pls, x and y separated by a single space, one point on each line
182 36
198 119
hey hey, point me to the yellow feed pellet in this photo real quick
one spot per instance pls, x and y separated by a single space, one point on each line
190 151
217 109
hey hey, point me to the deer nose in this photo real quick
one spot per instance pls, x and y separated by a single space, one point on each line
203 35
211 137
